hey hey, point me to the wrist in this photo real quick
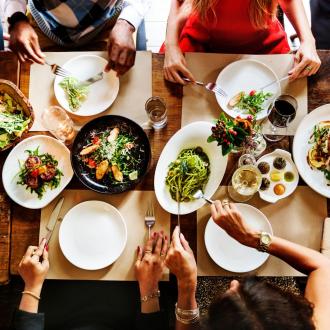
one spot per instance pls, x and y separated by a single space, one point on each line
148 289
187 285
127 25
252 240
36 289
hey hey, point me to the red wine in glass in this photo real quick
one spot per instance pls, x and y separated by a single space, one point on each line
284 111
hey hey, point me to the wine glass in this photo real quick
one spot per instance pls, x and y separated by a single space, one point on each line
281 115
246 180
57 121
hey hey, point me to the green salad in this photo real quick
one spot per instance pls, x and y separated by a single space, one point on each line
75 92
13 121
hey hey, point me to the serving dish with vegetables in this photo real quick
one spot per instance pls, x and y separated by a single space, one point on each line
110 154
16 114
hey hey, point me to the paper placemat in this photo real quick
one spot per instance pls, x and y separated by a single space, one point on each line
135 87
298 218
200 104
132 205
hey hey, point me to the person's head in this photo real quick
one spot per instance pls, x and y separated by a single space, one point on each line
257 305
261 11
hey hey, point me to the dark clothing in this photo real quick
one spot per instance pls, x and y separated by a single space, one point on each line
36 321
320 14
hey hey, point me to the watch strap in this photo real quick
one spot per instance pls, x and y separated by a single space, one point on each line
262 247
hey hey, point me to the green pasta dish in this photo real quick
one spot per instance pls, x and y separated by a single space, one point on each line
187 174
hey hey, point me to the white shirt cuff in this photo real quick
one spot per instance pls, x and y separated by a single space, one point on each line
130 15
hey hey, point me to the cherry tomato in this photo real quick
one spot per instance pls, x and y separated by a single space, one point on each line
96 140
91 163
252 92
35 173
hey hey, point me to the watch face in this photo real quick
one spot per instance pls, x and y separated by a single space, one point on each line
265 239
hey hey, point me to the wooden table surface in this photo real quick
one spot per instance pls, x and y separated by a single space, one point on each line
19 227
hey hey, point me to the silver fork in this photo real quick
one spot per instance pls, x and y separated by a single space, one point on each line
149 218
58 70
211 86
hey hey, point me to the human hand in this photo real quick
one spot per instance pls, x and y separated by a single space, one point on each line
150 264
121 48
34 266
23 41
231 220
181 261
175 65
306 61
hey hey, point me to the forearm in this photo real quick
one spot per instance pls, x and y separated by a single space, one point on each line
151 305
295 11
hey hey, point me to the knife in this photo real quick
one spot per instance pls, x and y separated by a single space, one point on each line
92 80
53 219
178 197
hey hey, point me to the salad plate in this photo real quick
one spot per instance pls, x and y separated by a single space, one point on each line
191 137
16 159
110 154
246 76
98 96
303 144
228 253
92 235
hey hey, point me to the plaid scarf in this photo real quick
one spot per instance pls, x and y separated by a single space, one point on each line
68 22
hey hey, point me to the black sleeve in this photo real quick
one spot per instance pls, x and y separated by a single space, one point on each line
152 321
28 321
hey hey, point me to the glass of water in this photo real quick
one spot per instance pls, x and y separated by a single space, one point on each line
157 112
57 121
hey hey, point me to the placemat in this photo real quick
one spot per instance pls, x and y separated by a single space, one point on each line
200 104
132 206
298 218
135 87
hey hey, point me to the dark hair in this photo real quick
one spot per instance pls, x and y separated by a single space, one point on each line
258 305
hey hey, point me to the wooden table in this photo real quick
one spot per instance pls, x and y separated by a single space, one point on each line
19 227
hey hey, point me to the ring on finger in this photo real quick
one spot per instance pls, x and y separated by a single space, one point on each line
147 251
308 68
225 202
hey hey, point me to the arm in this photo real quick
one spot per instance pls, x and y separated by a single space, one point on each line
307 61
181 262
303 259
33 269
174 62
149 268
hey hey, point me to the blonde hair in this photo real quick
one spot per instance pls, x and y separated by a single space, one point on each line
261 11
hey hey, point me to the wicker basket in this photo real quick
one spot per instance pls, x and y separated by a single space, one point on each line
12 90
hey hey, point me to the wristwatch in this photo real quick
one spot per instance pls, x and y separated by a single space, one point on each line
15 18
265 240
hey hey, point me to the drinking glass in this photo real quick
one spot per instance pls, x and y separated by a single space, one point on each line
246 180
57 121
281 115
157 112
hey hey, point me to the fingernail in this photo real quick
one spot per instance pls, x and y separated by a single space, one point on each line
182 235
46 247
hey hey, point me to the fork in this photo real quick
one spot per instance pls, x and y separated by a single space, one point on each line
211 86
149 218
58 70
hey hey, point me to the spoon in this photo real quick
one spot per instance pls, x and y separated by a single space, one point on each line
199 194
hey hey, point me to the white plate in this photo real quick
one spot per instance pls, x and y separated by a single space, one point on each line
93 235
314 178
17 192
101 94
190 136
246 75
269 195
231 255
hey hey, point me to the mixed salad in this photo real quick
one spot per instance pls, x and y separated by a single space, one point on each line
251 102
13 121
39 172
319 154
75 92
112 156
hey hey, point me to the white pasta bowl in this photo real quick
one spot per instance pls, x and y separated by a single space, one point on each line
191 136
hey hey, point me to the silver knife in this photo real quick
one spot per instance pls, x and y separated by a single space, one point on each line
53 219
92 80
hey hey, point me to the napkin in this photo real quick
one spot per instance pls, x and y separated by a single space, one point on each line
132 205
200 104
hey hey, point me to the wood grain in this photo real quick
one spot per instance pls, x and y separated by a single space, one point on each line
4 238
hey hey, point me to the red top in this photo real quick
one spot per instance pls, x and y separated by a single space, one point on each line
232 32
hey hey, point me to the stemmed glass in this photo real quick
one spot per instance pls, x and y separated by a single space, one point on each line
281 115
57 121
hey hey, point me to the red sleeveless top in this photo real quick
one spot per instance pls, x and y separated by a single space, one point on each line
232 32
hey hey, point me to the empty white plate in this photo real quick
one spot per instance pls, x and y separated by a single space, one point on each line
246 75
231 255
93 235
101 94
18 193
